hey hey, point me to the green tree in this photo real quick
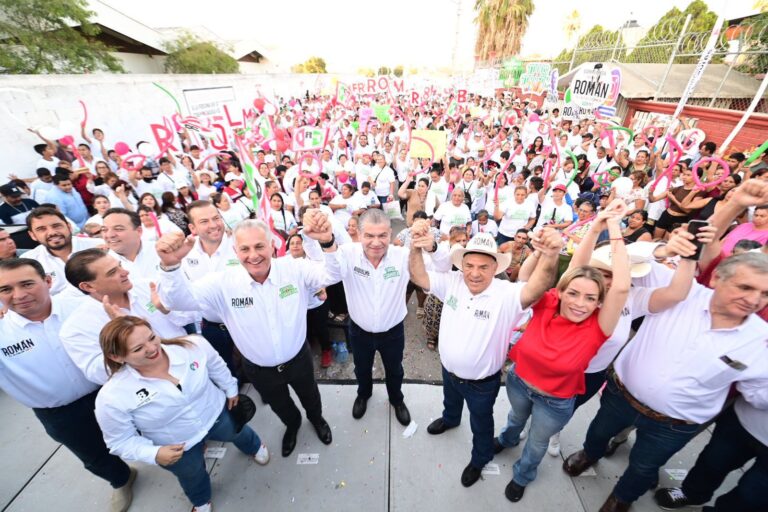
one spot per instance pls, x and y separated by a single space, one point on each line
501 25
366 72
188 54
311 65
702 20
398 71
51 36
384 70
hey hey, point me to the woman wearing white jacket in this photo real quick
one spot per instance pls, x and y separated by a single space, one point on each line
165 398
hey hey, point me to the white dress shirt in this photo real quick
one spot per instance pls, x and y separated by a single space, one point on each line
146 265
375 296
267 321
54 266
164 414
34 367
754 419
80 332
197 264
681 367
475 329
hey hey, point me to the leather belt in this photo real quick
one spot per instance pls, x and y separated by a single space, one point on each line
221 327
644 409
283 366
489 378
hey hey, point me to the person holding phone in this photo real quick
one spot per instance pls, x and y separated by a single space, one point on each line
164 399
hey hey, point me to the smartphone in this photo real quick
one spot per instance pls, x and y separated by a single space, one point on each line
694 227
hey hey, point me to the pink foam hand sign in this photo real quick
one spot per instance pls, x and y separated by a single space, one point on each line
164 136
690 138
133 162
710 184
676 153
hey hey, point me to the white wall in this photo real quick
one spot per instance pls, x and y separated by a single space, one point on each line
122 105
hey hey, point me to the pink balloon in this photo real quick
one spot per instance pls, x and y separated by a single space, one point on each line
533 117
258 104
121 148
67 140
710 184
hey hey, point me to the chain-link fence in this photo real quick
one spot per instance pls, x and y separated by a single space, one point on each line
740 53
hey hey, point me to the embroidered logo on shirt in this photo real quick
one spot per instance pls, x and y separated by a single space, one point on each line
143 397
482 314
288 290
193 261
151 307
361 272
390 272
194 365
452 302
18 348
232 263
242 302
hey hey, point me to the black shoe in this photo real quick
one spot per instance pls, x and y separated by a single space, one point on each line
437 427
289 441
402 414
470 475
497 446
672 498
359 407
323 431
514 492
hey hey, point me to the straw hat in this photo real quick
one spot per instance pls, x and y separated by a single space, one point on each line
482 243
638 261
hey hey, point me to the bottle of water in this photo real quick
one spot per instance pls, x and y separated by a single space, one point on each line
341 352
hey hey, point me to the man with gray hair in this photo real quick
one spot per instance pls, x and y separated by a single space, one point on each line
263 303
675 375
375 277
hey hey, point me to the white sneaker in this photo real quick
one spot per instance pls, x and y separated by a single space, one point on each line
554 445
121 498
203 508
524 433
262 456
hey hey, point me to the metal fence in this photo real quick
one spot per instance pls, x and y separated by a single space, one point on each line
741 49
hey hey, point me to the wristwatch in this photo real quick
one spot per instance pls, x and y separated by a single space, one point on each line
434 246
329 243
170 268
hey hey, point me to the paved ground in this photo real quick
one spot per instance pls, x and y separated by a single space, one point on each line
370 466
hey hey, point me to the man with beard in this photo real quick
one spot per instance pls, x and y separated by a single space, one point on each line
50 228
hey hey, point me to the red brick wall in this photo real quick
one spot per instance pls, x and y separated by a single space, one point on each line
716 123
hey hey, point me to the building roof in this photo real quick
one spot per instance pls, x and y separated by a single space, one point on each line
641 81
117 24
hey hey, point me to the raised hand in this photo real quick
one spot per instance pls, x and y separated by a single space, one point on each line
317 226
751 193
111 309
548 241
154 297
172 247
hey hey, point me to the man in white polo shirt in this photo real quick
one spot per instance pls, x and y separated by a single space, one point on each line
676 374
213 251
375 277
479 315
263 303
37 372
108 291
51 229
122 233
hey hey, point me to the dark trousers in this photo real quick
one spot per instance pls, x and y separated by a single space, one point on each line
272 384
656 442
390 345
221 341
337 299
74 425
593 382
730 447
317 326
480 397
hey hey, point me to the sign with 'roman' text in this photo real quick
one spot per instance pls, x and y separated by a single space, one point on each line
594 85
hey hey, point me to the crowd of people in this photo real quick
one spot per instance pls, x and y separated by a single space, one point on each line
622 265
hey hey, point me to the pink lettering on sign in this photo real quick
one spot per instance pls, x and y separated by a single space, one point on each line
232 124
461 96
221 143
414 98
164 136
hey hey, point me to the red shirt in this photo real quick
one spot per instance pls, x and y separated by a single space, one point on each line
554 352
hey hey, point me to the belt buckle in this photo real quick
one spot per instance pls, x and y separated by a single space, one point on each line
280 368
222 327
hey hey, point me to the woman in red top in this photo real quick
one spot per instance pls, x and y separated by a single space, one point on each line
569 324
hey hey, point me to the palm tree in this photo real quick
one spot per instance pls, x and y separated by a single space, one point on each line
572 25
501 26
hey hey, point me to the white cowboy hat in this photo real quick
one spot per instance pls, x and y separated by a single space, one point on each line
638 260
481 243
210 174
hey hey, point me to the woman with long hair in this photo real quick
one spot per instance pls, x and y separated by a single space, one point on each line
283 220
164 399
231 213
174 214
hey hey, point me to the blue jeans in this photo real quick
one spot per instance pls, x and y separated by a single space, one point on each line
74 425
730 447
656 442
190 468
548 417
480 397
390 345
